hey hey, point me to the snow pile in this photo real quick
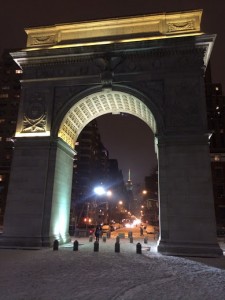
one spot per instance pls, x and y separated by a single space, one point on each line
106 275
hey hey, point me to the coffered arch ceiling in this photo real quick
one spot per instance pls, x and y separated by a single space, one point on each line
100 103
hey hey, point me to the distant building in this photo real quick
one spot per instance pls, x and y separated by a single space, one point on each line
129 187
10 75
216 123
150 197
90 170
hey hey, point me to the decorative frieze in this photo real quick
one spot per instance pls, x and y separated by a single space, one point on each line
44 40
181 26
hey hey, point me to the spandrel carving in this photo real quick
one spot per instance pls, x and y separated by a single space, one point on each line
34 119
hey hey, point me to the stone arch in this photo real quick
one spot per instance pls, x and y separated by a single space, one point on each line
97 104
161 56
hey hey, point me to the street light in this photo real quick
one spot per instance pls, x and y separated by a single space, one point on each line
100 191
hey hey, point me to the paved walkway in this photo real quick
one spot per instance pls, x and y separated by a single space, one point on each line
106 275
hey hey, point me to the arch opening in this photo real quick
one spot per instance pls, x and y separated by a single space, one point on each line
97 104
101 103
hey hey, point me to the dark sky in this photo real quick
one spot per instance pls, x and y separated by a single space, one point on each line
127 138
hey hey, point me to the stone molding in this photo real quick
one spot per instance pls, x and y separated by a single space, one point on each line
116 30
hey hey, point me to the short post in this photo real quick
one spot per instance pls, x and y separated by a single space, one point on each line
108 234
130 234
145 240
117 247
131 239
75 246
90 238
56 245
104 238
96 246
138 248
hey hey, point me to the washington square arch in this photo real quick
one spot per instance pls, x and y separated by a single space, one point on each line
149 66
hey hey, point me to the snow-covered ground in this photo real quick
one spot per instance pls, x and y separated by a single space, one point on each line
106 275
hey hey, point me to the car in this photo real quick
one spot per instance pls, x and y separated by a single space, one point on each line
84 230
107 228
150 229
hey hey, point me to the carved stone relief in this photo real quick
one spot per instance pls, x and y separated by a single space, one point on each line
34 119
43 39
181 26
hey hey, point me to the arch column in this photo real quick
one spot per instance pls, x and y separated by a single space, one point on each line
38 202
187 217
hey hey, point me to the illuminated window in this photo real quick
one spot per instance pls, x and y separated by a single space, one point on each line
5 87
217 158
2 121
4 96
0 138
18 71
2 177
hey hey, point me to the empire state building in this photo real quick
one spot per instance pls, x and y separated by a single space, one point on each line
129 187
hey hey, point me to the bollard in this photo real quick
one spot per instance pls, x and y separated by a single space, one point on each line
90 238
108 234
117 239
130 234
145 240
56 245
138 248
131 239
104 238
117 247
75 246
96 246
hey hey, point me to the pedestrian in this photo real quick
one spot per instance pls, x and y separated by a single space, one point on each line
141 231
98 231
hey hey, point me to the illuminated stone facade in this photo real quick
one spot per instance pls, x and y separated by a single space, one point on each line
148 66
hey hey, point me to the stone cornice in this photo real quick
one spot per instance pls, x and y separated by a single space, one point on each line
160 47
116 30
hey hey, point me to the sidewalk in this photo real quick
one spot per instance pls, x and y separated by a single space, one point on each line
106 275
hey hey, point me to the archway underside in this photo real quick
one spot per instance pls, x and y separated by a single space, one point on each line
100 103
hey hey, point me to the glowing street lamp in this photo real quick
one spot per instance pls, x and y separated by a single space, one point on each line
100 191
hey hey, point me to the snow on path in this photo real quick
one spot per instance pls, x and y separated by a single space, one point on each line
105 275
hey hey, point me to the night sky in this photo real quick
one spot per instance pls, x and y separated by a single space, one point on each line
127 138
